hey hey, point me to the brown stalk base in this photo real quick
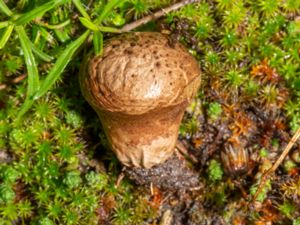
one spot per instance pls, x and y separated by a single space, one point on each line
171 175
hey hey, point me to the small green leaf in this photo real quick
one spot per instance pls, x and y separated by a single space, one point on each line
4 24
98 42
61 64
88 24
5 36
80 8
46 35
25 107
57 26
5 9
107 9
37 12
33 73
61 34
41 54
109 29
118 19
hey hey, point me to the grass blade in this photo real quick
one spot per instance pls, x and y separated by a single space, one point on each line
57 26
61 34
25 107
33 74
80 8
37 12
5 9
88 24
5 36
40 53
108 8
109 29
47 36
61 64
4 24
98 43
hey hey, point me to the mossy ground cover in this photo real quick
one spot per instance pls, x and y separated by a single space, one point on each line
55 165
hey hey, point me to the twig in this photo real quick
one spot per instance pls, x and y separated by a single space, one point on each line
120 178
13 81
156 15
151 188
182 149
19 79
277 163
3 87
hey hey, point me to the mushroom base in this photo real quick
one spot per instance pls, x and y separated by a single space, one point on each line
172 175
143 140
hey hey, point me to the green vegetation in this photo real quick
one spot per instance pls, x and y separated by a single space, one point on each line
215 172
214 110
54 168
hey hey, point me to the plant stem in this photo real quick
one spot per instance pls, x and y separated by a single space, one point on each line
156 15
277 163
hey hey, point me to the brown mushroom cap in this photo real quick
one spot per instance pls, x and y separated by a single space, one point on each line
140 87
140 72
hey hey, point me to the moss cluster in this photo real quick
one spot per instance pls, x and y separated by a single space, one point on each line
249 100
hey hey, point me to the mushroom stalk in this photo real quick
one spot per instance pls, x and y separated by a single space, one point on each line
140 88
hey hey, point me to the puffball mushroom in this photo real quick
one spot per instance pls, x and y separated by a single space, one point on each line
140 87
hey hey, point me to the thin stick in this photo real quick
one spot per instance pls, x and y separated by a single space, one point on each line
277 163
120 178
13 81
19 78
3 87
182 149
156 15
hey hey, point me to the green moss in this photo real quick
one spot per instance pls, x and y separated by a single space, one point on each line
263 153
296 221
287 209
6 193
9 212
214 110
263 193
122 216
215 172
189 128
25 209
289 165
234 78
